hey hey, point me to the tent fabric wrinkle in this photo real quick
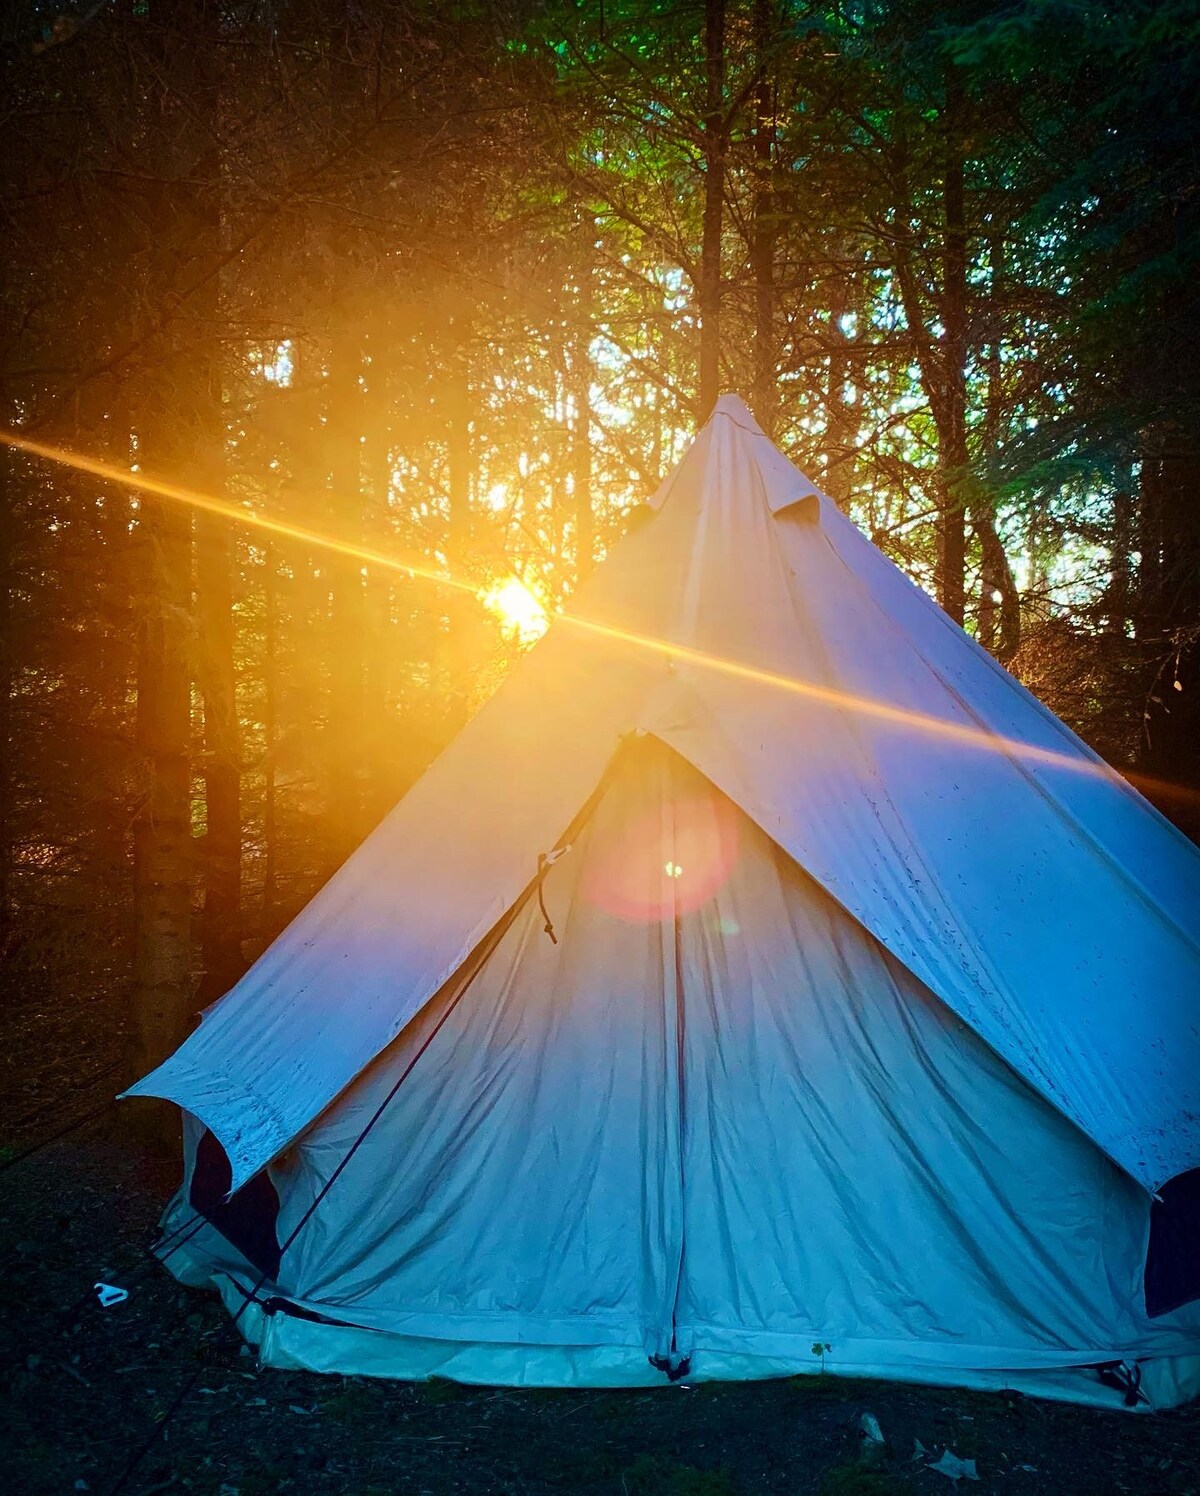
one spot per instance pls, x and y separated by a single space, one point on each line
1004 882
871 1016
714 1121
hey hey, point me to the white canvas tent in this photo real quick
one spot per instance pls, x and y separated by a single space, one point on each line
764 982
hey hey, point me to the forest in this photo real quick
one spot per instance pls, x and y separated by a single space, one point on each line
340 340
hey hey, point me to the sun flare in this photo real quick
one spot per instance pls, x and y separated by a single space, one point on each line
518 610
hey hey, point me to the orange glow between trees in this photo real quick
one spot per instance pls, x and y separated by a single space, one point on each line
520 613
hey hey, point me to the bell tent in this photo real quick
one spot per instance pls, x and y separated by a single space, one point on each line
764 982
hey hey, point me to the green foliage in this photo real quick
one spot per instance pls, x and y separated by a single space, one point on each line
354 1401
440 1390
653 1475
852 1479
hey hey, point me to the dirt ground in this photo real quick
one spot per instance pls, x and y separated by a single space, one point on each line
84 1388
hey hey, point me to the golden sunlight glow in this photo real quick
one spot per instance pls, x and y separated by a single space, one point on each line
519 612
133 477
526 618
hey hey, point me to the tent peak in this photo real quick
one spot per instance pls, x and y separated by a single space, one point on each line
786 487
736 409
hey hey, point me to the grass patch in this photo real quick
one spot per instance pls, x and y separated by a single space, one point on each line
349 1402
821 1385
854 1479
651 1475
438 1390
584 1469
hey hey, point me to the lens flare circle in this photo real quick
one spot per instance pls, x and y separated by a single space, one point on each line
665 861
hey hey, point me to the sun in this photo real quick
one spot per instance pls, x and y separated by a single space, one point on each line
519 611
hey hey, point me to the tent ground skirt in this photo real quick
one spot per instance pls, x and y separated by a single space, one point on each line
289 1342
294 1344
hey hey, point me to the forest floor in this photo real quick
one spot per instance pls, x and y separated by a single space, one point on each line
85 1387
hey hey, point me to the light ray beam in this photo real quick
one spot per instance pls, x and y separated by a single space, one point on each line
226 509
959 732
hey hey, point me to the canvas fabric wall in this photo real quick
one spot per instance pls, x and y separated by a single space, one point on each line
712 1119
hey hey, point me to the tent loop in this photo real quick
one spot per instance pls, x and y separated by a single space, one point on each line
545 861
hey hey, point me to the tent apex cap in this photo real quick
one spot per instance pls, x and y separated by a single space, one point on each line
787 489
733 406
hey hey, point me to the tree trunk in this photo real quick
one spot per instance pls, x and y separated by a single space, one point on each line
162 830
221 917
221 912
763 227
270 740
1120 591
840 415
998 617
1171 750
177 420
379 655
456 398
951 529
709 297
581 399
1150 547
1000 603
7 662
199 444
941 361
344 766
458 434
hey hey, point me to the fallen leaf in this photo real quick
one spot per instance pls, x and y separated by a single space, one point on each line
869 1428
953 1468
